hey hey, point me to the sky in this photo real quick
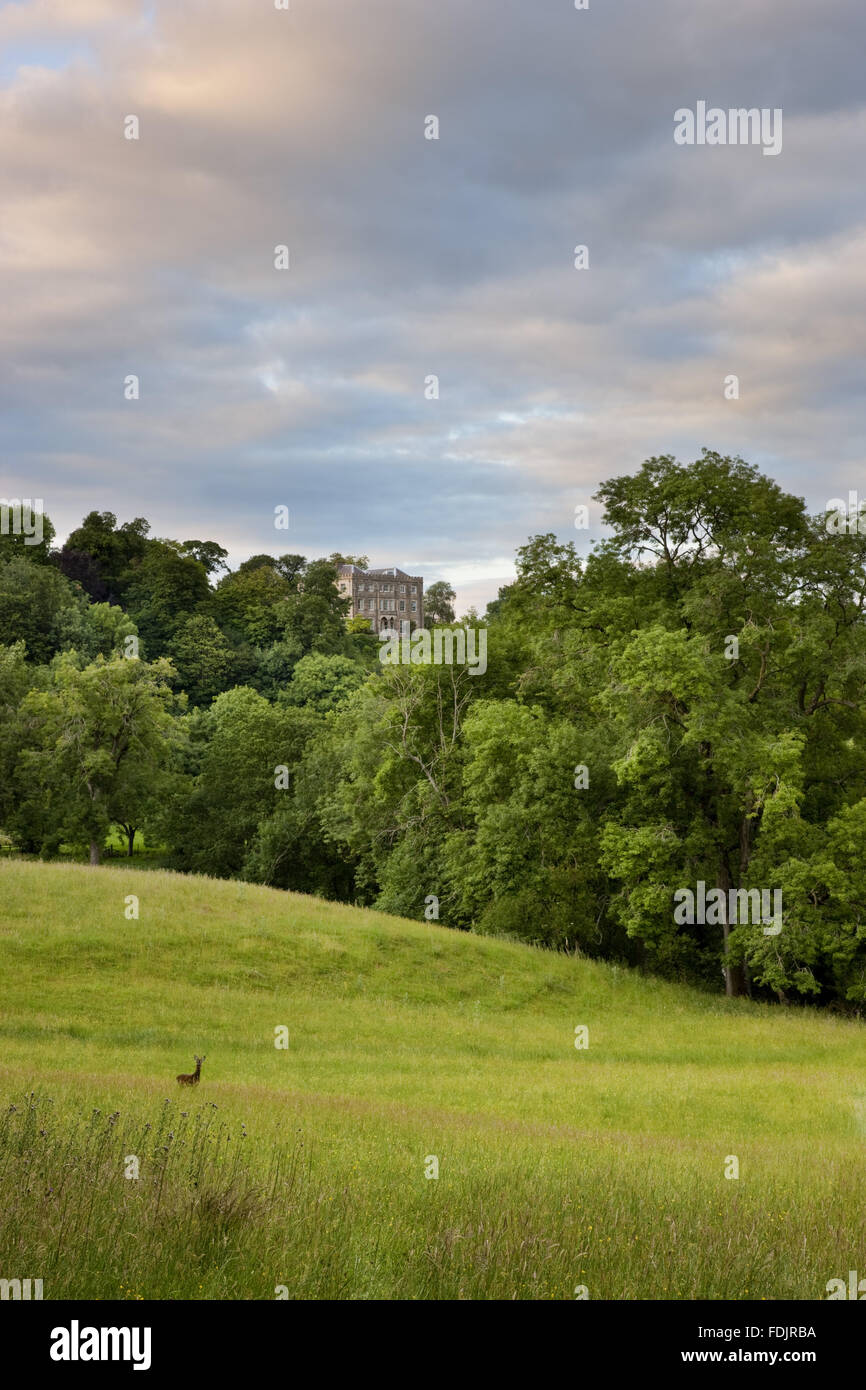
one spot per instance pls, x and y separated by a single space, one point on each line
411 258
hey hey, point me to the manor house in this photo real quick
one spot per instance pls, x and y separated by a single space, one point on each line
387 597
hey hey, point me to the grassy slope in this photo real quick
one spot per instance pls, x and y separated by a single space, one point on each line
558 1167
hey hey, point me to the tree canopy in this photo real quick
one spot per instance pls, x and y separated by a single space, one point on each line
674 718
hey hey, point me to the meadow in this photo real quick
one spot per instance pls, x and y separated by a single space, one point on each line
303 1171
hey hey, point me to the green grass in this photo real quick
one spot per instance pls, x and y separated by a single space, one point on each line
115 847
305 1167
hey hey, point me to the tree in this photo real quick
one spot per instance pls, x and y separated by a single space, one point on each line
82 569
97 742
323 683
439 604
32 600
336 559
313 615
246 741
714 509
289 567
16 678
114 549
525 862
205 662
210 556
396 789
244 603
162 591
362 644
15 542
93 629
746 653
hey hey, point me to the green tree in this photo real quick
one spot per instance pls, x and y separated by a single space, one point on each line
239 782
439 604
33 599
113 549
323 683
16 678
749 655
93 629
25 532
313 615
336 559
204 660
396 793
245 603
92 742
525 863
163 590
208 554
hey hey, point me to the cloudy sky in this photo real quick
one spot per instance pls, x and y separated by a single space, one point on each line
412 257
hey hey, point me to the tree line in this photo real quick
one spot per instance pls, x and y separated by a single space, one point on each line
681 707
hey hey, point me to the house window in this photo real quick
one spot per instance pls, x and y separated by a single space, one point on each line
414 606
413 590
402 605
402 588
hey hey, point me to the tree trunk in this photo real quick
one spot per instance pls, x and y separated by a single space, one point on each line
735 978
130 838
95 852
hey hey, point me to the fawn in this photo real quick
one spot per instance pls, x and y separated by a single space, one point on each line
192 1078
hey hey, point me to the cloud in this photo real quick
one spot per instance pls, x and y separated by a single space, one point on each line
412 257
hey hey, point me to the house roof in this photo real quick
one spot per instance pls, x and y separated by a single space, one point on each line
392 573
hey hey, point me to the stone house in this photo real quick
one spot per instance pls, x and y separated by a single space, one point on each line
387 597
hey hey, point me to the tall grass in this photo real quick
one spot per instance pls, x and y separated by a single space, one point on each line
306 1168
101 1203
215 1213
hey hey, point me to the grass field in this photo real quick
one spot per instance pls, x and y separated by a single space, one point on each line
305 1167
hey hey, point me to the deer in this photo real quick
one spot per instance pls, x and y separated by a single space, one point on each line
192 1078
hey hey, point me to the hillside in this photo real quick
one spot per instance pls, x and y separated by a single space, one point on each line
601 1167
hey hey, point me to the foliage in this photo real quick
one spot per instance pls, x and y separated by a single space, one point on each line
33 599
682 706
95 745
439 604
